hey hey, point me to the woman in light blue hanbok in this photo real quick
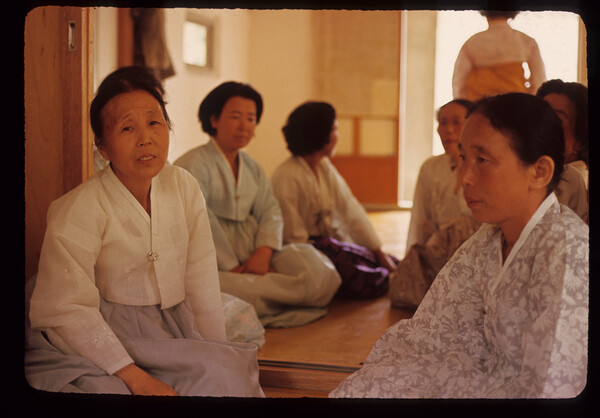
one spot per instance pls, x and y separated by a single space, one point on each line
288 285
507 316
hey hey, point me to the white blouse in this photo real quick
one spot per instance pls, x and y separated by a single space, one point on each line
97 244
435 200
321 204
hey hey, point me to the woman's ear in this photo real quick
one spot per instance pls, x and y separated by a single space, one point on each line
214 121
100 145
542 171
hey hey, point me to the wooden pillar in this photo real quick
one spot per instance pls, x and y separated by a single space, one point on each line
58 88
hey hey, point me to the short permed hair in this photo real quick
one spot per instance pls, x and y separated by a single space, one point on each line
308 128
215 101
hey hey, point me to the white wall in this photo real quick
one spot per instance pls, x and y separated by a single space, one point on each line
280 68
105 43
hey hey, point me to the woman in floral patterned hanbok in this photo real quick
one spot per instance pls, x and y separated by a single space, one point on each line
507 315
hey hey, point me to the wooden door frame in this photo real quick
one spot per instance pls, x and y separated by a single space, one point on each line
58 90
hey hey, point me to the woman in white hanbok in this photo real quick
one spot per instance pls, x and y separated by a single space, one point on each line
440 220
127 298
507 316
318 206
288 285
438 197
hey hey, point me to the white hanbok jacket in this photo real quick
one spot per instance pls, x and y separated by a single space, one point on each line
97 244
435 200
321 205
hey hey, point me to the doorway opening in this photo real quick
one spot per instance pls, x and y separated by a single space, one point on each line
556 33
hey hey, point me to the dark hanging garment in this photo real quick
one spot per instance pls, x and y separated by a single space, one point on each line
149 44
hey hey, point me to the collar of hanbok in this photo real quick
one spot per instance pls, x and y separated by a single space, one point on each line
111 178
214 144
533 221
306 167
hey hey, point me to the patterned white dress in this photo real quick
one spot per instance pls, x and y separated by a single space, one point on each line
491 330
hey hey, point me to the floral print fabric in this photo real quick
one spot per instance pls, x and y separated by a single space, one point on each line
488 330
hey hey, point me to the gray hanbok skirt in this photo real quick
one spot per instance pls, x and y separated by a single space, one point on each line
165 343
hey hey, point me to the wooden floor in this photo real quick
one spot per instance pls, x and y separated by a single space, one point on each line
311 360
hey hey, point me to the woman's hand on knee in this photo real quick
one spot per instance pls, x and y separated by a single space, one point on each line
259 262
141 383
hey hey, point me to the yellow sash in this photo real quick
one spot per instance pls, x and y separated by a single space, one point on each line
496 79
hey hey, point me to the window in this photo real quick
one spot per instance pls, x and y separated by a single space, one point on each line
197 36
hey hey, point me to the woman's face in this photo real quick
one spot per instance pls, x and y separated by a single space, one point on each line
450 124
235 127
136 137
495 182
565 109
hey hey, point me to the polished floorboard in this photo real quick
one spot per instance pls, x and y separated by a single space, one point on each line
311 360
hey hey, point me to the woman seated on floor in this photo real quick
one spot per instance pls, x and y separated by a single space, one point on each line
319 207
440 220
507 316
126 298
438 197
288 285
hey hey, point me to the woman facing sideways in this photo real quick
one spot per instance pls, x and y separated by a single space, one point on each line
127 297
440 220
319 207
507 316
437 198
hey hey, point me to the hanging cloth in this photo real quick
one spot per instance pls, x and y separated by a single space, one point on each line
149 45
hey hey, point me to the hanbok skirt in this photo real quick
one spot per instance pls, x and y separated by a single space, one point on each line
164 343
